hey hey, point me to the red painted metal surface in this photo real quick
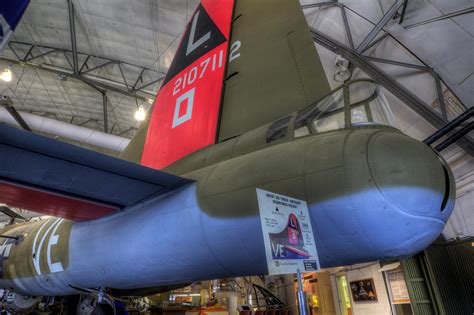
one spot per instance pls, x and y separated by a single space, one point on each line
221 13
52 204
186 110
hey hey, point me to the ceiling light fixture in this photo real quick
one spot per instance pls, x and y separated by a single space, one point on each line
6 75
140 114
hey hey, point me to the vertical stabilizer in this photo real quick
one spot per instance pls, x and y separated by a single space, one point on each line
233 72
274 68
186 110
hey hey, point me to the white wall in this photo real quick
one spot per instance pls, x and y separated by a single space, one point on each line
365 271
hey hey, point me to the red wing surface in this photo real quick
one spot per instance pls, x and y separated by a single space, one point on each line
186 110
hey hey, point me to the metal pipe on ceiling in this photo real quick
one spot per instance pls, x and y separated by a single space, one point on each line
64 130
72 28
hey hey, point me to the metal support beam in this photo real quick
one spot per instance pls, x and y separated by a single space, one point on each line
85 63
113 127
375 42
140 78
8 104
88 81
14 51
399 63
450 126
318 5
402 16
41 55
381 24
72 28
123 76
28 52
105 64
455 137
439 90
99 80
101 91
388 83
16 115
68 61
346 26
85 122
125 131
104 108
442 17
300 294
106 114
148 84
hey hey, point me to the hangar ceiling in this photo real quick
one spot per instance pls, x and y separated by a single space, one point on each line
125 47
420 51
141 35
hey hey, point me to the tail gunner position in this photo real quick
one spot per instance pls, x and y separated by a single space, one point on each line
245 105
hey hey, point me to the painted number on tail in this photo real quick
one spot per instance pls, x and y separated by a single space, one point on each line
186 109
287 234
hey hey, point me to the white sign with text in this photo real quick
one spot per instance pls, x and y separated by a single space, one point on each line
287 233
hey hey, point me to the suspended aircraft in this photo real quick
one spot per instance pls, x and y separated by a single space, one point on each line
245 105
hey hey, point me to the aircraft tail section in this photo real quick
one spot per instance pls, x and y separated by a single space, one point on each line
274 68
185 114
240 65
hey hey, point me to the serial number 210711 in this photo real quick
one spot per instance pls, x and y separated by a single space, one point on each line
212 63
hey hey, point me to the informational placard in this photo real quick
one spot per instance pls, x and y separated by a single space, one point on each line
398 287
287 233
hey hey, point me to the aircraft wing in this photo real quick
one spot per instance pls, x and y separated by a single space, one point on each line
63 180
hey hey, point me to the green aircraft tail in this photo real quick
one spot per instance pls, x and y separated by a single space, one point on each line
272 69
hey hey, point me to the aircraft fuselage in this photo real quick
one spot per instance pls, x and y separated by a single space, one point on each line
366 203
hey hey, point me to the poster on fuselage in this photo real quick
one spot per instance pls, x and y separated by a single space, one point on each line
287 233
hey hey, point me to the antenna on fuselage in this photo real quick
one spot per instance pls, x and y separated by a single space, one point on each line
10 237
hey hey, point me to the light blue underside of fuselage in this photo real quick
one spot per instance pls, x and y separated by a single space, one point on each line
171 240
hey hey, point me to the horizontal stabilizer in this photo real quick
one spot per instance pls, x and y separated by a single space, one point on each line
63 180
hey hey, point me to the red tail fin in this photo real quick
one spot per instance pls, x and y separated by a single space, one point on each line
186 109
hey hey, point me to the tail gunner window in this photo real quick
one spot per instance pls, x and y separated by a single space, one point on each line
366 102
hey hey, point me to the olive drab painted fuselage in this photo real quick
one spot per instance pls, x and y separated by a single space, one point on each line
211 228
240 71
40 248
